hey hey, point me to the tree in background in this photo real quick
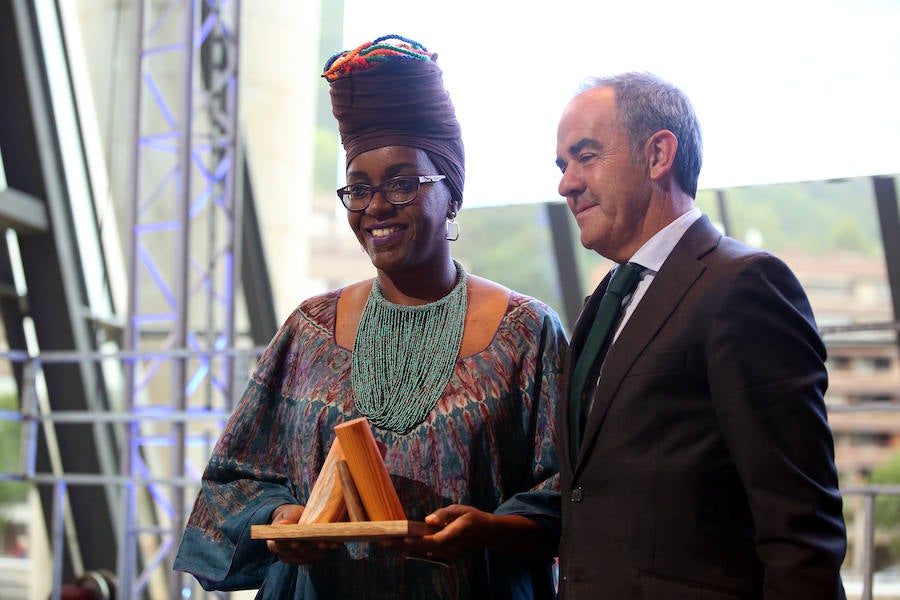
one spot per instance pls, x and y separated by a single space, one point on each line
887 508
11 492
510 245
816 217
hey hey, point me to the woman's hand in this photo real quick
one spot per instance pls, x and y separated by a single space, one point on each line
295 552
463 528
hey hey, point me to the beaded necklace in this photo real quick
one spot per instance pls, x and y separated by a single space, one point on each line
404 356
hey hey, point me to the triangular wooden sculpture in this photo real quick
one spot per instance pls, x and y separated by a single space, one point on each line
326 499
353 476
366 464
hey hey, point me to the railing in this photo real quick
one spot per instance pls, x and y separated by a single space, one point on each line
868 493
35 413
135 432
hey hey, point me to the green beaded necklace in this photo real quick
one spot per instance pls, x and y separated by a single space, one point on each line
404 356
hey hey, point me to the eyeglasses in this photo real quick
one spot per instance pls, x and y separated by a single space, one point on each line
396 190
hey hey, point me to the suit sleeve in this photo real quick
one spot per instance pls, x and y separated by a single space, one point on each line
767 379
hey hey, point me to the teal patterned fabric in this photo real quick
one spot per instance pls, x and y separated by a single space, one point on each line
491 436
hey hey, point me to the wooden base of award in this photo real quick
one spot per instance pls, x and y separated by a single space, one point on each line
361 531
353 484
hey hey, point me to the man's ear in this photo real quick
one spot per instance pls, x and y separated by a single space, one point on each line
660 152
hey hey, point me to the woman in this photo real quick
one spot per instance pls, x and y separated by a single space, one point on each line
456 374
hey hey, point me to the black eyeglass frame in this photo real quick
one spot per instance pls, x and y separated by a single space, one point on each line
371 189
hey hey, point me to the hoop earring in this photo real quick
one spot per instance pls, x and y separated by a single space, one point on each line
452 227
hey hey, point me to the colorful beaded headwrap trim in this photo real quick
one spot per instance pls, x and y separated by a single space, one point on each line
380 50
390 92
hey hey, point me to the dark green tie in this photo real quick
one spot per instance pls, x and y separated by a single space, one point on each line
623 282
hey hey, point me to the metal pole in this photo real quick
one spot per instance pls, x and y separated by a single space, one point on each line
179 339
869 535
235 203
29 408
234 269
723 212
566 262
127 567
58 531
889 219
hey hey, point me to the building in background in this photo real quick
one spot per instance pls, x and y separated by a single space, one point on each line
295 163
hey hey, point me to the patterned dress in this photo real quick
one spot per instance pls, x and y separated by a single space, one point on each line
491 436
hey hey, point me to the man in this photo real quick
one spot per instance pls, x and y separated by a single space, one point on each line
705 468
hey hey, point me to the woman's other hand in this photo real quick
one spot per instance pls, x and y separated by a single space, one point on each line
295 552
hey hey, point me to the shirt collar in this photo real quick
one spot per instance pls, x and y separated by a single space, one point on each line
657 249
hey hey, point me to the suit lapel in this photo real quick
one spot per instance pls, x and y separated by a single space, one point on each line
586 317
579 333
678 273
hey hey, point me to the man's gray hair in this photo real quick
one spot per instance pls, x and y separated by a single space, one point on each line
646 104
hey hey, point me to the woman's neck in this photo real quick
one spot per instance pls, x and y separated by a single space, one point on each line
418 286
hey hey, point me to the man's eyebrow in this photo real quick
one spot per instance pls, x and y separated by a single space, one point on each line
577 147
582 144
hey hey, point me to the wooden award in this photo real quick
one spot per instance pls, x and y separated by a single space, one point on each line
326 500
353 498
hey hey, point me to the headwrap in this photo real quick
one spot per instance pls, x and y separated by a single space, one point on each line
390 92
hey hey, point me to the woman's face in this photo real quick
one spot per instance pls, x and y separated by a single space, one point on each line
407 236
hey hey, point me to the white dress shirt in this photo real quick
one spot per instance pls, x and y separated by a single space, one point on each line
651 256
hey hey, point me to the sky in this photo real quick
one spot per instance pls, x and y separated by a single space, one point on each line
785 90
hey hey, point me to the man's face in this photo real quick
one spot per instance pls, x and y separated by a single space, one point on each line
606 188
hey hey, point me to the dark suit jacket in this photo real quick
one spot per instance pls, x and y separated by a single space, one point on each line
707 468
